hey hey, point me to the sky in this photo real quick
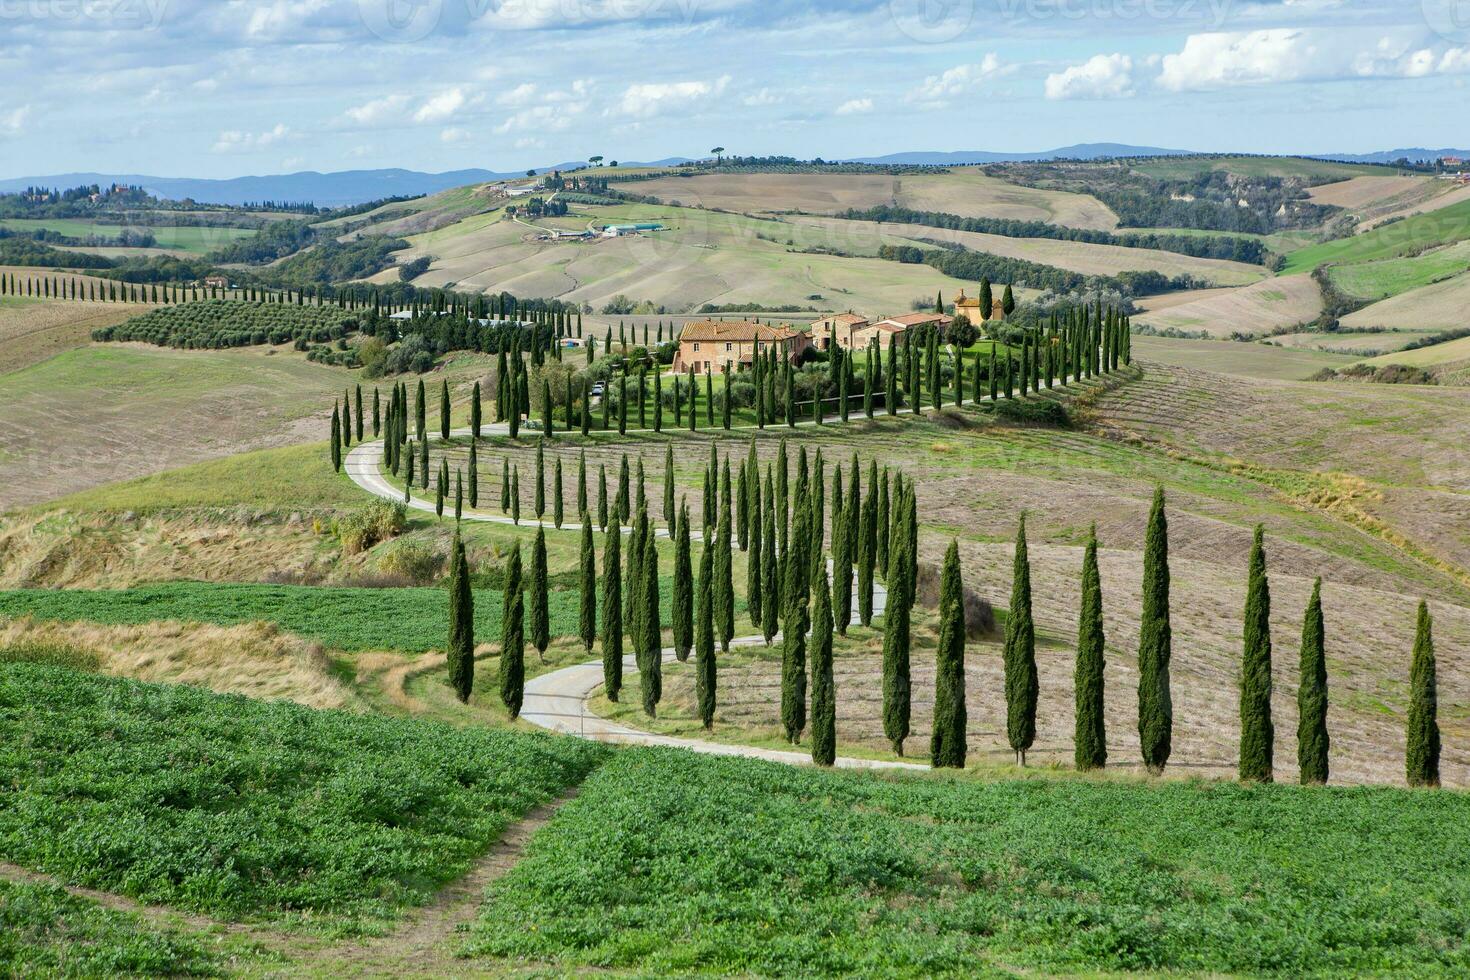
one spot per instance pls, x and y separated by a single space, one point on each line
223 88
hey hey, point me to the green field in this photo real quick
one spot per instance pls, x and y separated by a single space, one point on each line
1245 360
1390 277
180 238
408 619
248 809
669 862
1398 238
44 931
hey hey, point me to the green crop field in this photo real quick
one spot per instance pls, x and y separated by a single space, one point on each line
670 863
179 238
1390 277
409 619
242 808
1398 238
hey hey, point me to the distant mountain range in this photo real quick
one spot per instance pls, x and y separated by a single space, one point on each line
1417 154
357 186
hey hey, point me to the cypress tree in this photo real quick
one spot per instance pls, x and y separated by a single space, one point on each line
683 606
475 413
474 478
408 475
947 744
671 516
540 597
883 527
461 649
582 484
515 495
841 559
337 441
418 410
602 496
1312 743
704 656
439 497
1090 745
1256 732
612 612
1155 644
513 638
587 622
444 409
359 414
650 676
633 581
896 620
424 464
724 584
794 627
824 692
1020 655
1421 762
868 548
771 601
556 496
624 508
540 477
505 485
458 495
755 556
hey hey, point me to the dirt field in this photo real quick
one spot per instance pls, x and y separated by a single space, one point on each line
1438 306
1454 195
32 331
1259 308
1246 360
1373 198
962 191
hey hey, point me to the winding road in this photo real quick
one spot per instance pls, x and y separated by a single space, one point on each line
557 701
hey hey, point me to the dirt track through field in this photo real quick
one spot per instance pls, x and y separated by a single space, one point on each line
419 945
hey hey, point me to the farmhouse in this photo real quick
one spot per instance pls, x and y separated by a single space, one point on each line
708 345
838 325
970 306
907 321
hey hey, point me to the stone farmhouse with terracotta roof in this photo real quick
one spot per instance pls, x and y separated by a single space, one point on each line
706 346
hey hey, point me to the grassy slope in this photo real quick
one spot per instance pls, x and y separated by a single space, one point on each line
1438 306
1449 352
669 862
180 238
102 413
1255 309
244 809
1242 360
1175 168
1389 277
1449 224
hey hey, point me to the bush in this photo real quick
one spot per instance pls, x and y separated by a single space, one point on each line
1033 411
375 523
416 562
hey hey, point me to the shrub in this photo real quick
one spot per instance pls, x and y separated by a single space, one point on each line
416 562
375 523
1033 411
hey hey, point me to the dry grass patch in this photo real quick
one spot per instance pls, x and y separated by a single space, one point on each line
1259 308
254 659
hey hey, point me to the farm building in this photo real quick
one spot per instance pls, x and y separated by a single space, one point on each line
970 306
708 345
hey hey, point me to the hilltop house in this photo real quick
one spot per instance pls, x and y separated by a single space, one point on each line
706 346
969 306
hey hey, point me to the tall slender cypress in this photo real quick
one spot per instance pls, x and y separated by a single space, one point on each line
612 612
1090 744
794 627
896 619
824 691
337 440
867 558
540 597
947 745
650 675
704 656
1020 654
683 605
1421 762
461 648
755 556
1257 736
587 622
444 409
724 584
770 559
513 638
1155 644
1312 742
841 559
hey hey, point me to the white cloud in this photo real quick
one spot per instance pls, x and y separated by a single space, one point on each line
1103 76
529 143
520 95
655 98
764 97
441 107
238 141
1280 55
853 107
454 134
14 121
939 89
379 111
